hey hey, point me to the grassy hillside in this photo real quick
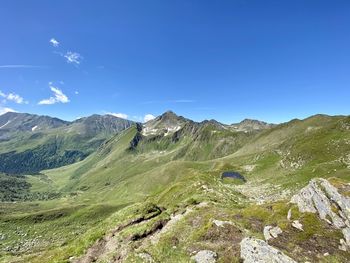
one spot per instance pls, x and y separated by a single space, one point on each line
31 143
134 184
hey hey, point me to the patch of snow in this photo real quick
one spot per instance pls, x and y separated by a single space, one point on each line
5 124
172 130
149 131
35 127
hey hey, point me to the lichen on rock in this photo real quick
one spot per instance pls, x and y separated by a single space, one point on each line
205 256
271 232
255 250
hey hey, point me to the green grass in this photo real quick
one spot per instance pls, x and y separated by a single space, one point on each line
114 185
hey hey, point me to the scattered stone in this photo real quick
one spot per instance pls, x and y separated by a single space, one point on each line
146 257
326 254
249 167
220 223
289 215
346 234
296 224
205 256
255 250
343 245
271 232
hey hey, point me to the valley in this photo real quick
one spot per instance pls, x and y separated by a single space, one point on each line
154 192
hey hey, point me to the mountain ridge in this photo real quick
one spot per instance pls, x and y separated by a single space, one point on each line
162 195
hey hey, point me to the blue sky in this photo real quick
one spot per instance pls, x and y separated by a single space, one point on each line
227 60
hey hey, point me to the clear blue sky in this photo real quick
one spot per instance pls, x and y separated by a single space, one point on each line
227 60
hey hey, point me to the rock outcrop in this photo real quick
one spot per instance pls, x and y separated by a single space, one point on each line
255 250
271 232
320 197
205 256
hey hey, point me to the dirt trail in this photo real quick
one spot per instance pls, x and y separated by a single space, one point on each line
106 247
109 243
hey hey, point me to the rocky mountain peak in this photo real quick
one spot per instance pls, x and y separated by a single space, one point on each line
14 122
251 125
166 123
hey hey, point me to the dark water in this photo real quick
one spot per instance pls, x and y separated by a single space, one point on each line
232 174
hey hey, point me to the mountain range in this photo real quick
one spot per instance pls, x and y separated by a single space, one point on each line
105 189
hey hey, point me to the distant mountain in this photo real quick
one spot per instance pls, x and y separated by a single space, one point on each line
166 123
251 125
95 124
194 140
161 196
30 143
13 122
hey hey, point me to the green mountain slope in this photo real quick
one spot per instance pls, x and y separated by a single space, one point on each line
31 143
155 191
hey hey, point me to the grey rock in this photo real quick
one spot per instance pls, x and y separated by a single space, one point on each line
146 257
271 232
346 234
205 256
320 197
255 250
220 223
296 224
343 245
289 215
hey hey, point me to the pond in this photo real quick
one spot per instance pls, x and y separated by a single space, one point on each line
232 174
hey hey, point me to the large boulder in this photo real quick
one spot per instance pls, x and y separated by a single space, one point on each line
255 250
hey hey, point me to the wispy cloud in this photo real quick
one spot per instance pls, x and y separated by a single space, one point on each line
54 42
148 117
20 66
58 97
73 57
13 97
4 110
169 101
119 115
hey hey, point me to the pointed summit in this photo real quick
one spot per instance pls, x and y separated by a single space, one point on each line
166 123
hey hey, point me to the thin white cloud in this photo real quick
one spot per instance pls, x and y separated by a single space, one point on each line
20 66
13 97
119 115
58 97
4 110
148 117
73 57
54 42
76 92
